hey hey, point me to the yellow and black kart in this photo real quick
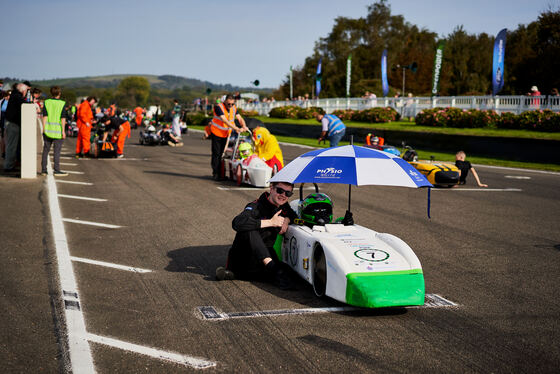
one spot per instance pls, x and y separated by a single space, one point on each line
437 173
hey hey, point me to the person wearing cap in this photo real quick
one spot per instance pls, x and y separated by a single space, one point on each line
252 255
332 128
54 121
13 125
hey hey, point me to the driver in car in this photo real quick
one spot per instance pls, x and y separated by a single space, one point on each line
252 255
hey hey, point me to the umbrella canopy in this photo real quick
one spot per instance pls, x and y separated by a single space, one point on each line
353 165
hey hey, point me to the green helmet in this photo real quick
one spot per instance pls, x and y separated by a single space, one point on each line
317 209
245 150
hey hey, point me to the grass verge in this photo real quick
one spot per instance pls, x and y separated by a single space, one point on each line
411 126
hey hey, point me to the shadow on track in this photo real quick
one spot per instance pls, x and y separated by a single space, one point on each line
204 260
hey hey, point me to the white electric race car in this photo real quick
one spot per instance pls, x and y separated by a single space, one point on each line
244 166
352 264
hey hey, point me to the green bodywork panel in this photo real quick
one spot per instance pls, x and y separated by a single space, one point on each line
278 246
385 289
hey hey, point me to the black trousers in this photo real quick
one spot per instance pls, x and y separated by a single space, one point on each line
245 257
218 145
47 142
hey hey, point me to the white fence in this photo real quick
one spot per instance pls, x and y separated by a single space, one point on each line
410 106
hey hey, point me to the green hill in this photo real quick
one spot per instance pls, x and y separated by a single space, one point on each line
165 82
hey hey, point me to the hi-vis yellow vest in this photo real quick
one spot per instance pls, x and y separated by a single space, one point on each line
53 125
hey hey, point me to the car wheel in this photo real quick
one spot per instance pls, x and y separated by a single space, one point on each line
319 272
238 175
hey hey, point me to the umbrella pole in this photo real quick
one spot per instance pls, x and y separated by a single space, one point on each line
350 186
349 196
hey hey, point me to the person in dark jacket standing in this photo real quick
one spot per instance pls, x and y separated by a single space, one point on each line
252 256
13 125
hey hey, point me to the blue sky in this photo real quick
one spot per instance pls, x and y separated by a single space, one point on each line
219 41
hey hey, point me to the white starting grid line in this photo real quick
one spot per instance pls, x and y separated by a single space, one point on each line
251 188
82 222
194 362
110 265
210 313
480 189
81 197
81 360
72 182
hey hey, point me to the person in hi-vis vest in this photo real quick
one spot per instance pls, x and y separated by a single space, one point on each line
332 128
54 121
223 122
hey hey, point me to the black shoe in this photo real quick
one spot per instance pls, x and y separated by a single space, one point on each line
283 281
279 276
223 274
60 174
44 173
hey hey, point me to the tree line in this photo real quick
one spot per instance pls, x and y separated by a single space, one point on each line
531 58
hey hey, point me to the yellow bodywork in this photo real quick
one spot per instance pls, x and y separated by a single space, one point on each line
438 173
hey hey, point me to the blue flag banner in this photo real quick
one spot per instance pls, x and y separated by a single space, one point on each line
498 62
318 77
384 82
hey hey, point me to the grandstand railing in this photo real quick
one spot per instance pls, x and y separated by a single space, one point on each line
410 106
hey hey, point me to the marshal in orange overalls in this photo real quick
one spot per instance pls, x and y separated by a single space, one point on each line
120 134
138 118
83 123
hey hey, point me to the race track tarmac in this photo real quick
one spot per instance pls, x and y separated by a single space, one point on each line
145 233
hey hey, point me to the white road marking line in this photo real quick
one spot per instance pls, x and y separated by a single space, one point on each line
75 172
251 188
72 182
110 265
194 362
211 314
518 169
516 177
123 159
298 145
80 354
91 223
81 197
68 164
479 189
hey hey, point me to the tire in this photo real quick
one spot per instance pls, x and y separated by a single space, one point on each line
319 272
238 175
274 169
141 140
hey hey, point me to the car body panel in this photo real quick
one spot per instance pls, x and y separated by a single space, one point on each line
438 173
364 268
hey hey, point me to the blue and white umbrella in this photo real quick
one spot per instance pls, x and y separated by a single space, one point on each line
351 165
